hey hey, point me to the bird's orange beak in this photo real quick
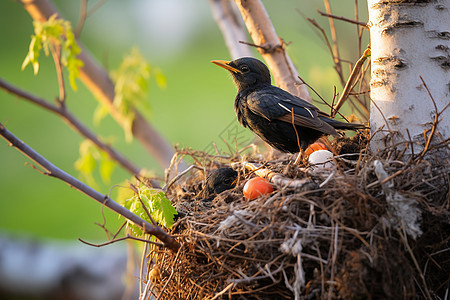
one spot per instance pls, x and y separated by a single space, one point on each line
225 64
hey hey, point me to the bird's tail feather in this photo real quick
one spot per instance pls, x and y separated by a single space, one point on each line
341 125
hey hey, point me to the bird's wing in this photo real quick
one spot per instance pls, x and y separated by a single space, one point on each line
274 103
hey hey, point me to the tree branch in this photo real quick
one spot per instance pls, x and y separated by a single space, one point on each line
85 13
356 72
115 240
359 106
335 52
99 83
82 19
231 26
76 124
56 172
56 53
263 34
356 22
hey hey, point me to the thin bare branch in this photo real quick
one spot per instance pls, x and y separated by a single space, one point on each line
336 55
56 53
83 16
264 47
168 185
321 98
435 122
56 172
359 106
350 83
324 35
119 230
359 30
128 237
85 13
342 19
385 122
296 135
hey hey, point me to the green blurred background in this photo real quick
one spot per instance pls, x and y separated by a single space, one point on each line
178 36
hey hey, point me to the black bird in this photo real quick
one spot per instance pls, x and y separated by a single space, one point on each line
218 180
272 113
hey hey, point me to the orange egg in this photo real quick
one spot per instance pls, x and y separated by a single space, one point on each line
314 147
256 187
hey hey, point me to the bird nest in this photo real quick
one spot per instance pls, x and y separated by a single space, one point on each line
374 227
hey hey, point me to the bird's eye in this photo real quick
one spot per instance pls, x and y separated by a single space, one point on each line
244 69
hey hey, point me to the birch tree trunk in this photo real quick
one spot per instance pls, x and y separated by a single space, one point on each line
409 40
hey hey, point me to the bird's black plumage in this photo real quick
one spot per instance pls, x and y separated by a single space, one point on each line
272 113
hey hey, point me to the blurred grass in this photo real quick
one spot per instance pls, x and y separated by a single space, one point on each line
192 111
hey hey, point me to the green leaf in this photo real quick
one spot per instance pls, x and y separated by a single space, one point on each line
156 202
72 49
161 209
51 34
136 208
73 66
33 54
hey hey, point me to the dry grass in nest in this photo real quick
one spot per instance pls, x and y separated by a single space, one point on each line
341 240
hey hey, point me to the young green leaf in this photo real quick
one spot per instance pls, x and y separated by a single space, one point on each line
33 54
49 35
156 202
135 207
162 210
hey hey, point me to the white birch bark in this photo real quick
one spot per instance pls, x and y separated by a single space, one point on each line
409 39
